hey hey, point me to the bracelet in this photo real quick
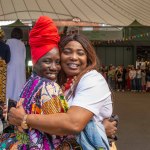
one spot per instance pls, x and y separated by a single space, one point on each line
24 122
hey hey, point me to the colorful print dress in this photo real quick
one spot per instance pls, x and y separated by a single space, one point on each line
41 96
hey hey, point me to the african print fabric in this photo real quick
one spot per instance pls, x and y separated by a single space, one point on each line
41 96
2 80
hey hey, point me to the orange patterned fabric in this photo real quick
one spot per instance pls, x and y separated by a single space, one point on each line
52 106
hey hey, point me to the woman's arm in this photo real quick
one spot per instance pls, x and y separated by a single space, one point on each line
71 122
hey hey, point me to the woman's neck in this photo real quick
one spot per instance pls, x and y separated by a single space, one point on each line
70 81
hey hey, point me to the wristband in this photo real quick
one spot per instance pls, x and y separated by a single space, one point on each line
24 122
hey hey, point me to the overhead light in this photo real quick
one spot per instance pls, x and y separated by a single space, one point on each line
30 63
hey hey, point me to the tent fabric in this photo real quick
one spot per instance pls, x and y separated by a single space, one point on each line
111 12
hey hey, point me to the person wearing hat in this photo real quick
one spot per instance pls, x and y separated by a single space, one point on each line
4 48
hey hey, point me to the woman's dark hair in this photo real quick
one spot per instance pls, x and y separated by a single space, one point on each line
17 33
92 61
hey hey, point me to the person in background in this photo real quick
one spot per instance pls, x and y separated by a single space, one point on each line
138 79
103 72
148 80
132 76
143 75
4 48
16 74
128 82
81 83
124 82
119 78
111 77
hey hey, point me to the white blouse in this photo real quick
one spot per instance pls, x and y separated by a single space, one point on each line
93 94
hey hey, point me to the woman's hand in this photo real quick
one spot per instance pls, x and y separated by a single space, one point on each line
110 127
15 115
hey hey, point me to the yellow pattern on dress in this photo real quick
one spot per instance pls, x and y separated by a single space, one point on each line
51 99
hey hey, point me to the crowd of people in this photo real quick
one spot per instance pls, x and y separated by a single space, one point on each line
130 78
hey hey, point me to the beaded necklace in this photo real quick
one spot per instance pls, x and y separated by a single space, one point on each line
70 81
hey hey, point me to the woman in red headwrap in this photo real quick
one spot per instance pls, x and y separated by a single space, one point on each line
40 95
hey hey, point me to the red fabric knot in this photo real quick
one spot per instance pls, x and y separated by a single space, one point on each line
43 37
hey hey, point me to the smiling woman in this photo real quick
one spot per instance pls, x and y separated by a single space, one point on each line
40 95
74 58
49 65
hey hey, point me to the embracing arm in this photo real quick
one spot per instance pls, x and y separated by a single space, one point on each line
71 122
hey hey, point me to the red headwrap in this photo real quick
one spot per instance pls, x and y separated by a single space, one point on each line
43 37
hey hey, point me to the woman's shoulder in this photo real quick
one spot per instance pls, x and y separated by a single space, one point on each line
51 89
8 41
11 41
93 74
51 84
91 78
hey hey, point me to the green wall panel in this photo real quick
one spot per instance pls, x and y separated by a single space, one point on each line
101 54
110 55
128 56
115 55
119 55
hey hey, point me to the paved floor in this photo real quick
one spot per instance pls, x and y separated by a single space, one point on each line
134 126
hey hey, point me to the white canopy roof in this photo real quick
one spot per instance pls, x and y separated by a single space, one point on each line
112 12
